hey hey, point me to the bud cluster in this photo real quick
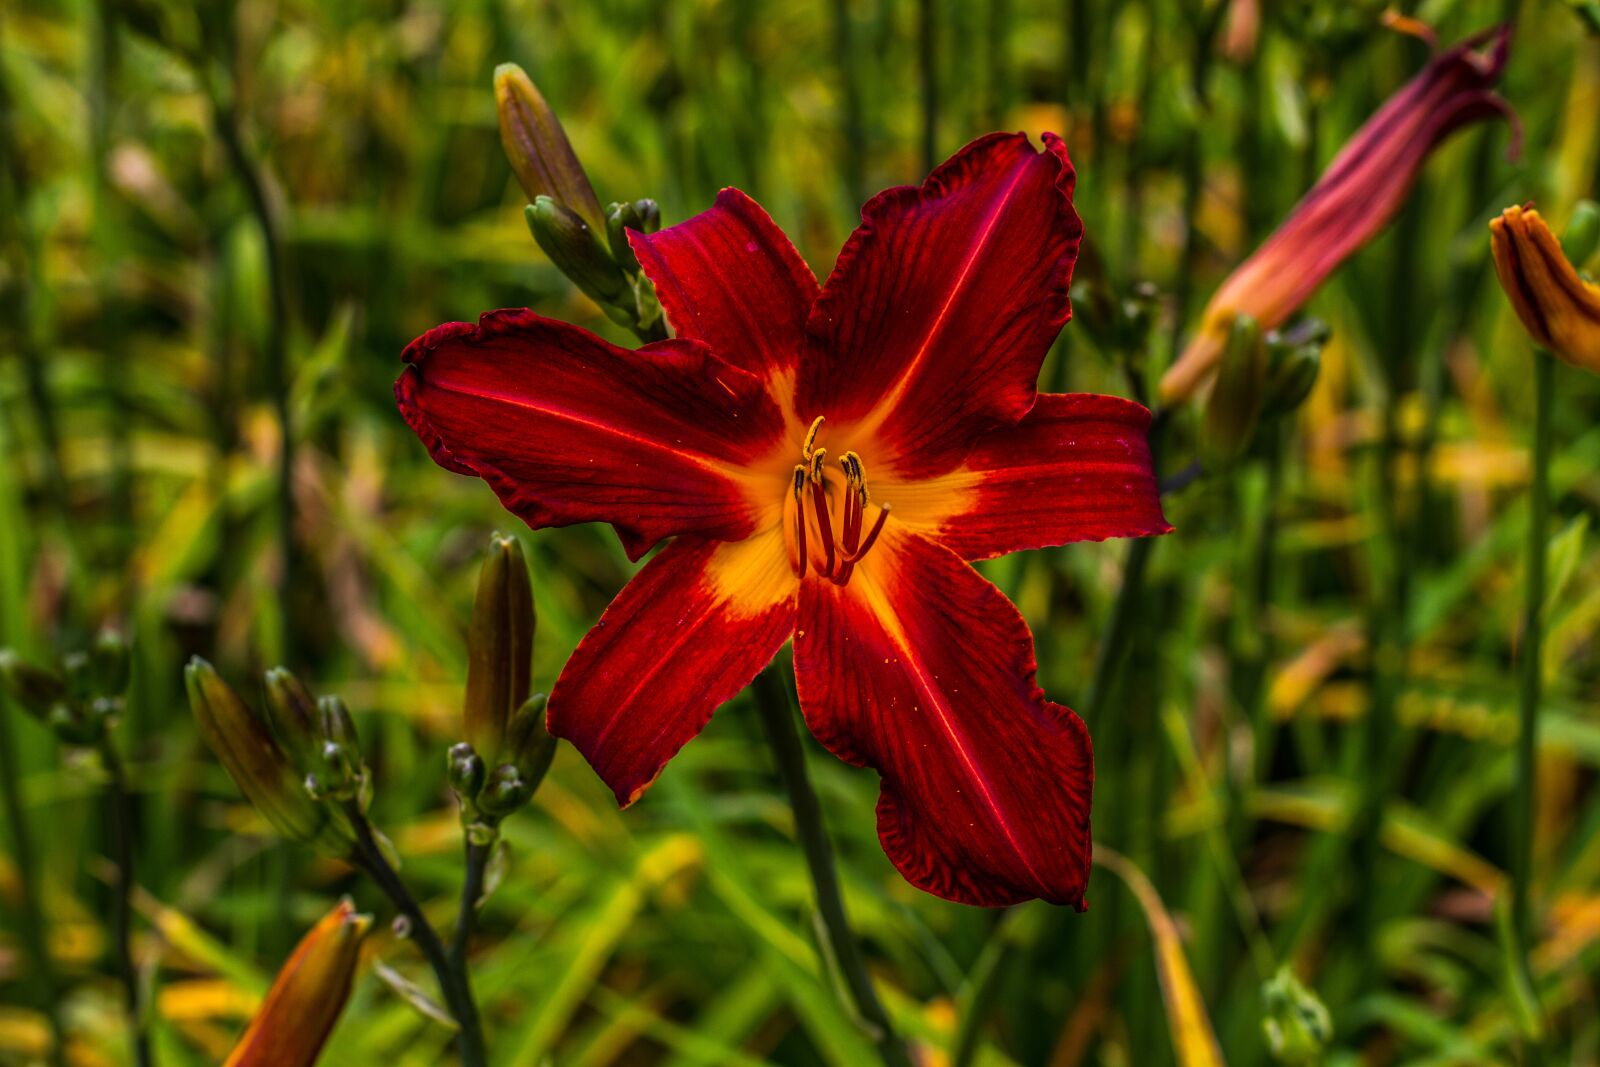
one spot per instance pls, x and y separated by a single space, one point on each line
81 697
589 245
297 764
1259 379
508 750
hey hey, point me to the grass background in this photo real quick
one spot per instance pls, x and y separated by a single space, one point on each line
140 428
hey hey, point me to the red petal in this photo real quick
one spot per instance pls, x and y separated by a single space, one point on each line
568 428
1076 468
944 302
729 277
686 635
925 671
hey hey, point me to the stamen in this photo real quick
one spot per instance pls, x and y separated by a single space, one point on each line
800 518
819 497
811 438
872 538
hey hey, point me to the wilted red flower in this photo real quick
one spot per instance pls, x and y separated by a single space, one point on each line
307 996
915 368
1355 198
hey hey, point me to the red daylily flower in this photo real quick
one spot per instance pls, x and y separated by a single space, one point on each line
826 461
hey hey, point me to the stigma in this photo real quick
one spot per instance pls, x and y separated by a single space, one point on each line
810 485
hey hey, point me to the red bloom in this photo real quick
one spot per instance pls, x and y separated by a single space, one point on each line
914 370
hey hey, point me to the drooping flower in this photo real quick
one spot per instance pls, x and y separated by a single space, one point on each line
826 462
305 1000
1355 198
1560 310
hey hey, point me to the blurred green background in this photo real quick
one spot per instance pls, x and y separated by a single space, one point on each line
149 360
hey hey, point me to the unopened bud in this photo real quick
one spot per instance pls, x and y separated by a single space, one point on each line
504 792
538 148
305 1000
38 691
465 770
620 218
292 715
1297 1024
574 248
79 673
1582 235
499 648
1292 379
528 743
256 762
110 663
1235 403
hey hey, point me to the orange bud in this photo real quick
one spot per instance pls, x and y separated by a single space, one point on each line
1560 310
306 998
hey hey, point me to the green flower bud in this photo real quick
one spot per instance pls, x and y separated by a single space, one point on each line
38 691
1235 403
1291 381
1582 235
504 792
466 771
649 213
499 648
572 246
620 218
528 743
256 762
1297 1025
538 148
343 770
292 715
79 673
110 663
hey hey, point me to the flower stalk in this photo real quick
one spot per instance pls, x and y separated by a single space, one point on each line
777 719
453 981
1530 657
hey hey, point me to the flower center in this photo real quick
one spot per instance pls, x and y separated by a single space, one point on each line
811 484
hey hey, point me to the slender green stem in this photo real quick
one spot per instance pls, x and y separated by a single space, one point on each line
1529 659
477 863
855 138
251 175
777 718
1112 653
453 983
928 74
119 821
1015 928
34 929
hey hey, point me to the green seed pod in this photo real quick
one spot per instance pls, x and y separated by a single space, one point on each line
1582 235
499 648
1234 406
538 148
38 691
572 246
292 715
110 663
256 762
